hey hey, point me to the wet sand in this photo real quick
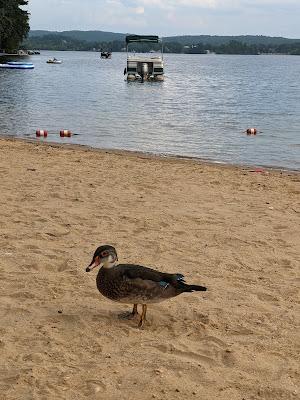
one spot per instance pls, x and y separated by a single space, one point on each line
235 230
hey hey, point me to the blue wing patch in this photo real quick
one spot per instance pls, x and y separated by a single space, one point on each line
164 284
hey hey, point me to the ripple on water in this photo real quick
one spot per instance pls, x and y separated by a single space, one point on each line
201 110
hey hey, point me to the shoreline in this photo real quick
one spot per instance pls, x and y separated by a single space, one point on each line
223 227
141 154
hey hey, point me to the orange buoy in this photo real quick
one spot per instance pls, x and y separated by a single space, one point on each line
251 131
65 133
41 133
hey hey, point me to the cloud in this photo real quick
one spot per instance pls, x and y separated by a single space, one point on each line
139 10
167 4
166 17
190 3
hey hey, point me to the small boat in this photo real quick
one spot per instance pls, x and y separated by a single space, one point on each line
19 53
105 54
54 61
33 52
144 68
17 65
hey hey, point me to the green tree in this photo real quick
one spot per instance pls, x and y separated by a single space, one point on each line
14 23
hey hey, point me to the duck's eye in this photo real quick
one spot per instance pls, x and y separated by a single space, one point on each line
104 253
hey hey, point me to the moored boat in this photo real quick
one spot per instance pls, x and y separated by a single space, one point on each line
54 61
105 54
17 65
144 67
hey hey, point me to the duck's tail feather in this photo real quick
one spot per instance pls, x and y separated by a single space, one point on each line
193 288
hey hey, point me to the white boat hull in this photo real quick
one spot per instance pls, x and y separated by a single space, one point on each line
16 65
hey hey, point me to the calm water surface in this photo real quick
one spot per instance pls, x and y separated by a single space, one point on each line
201 110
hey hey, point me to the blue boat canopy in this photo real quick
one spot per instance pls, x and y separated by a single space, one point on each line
142 39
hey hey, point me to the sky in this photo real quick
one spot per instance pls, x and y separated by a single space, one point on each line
170 17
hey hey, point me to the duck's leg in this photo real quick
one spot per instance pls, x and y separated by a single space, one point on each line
130 314
135 310
143 316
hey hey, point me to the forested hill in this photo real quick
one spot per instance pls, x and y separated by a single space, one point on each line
100 36
88 36
109 41
220 40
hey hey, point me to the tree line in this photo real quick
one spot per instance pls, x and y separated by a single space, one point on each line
14 23
62 42
237 47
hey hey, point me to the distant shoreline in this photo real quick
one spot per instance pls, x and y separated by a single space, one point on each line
183 54
188 44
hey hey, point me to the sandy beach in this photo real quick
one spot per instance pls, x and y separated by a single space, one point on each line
235 230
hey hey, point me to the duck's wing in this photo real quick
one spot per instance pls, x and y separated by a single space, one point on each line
139 282
143 278
132 272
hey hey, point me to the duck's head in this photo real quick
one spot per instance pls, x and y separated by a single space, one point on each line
104 256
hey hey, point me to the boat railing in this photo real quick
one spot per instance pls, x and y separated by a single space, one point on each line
144 56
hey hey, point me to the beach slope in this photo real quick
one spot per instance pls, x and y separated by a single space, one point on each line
232 229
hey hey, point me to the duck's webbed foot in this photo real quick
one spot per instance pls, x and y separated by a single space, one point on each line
143 317
130 315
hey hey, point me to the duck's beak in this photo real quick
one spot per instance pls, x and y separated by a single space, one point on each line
95 262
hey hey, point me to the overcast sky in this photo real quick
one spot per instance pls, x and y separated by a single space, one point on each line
170 17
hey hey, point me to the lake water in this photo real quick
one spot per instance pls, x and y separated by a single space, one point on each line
201 110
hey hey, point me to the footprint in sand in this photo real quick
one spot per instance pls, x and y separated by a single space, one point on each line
23 295
210 351
32 247
63 266
228 358
267 297
285 263
93 387
192 356
280 227
35 358
7 382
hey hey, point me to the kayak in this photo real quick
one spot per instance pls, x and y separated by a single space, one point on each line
17 65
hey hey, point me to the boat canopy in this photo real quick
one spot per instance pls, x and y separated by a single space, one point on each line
142 39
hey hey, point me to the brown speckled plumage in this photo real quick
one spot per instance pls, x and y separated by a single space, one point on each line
128 283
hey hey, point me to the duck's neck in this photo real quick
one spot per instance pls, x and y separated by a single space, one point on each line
109 264
104 273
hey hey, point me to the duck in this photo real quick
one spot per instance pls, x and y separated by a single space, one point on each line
135 284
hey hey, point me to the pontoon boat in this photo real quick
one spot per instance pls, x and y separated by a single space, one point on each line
144 67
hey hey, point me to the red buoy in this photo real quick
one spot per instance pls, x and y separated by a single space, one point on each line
251 131
41 133
65 133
